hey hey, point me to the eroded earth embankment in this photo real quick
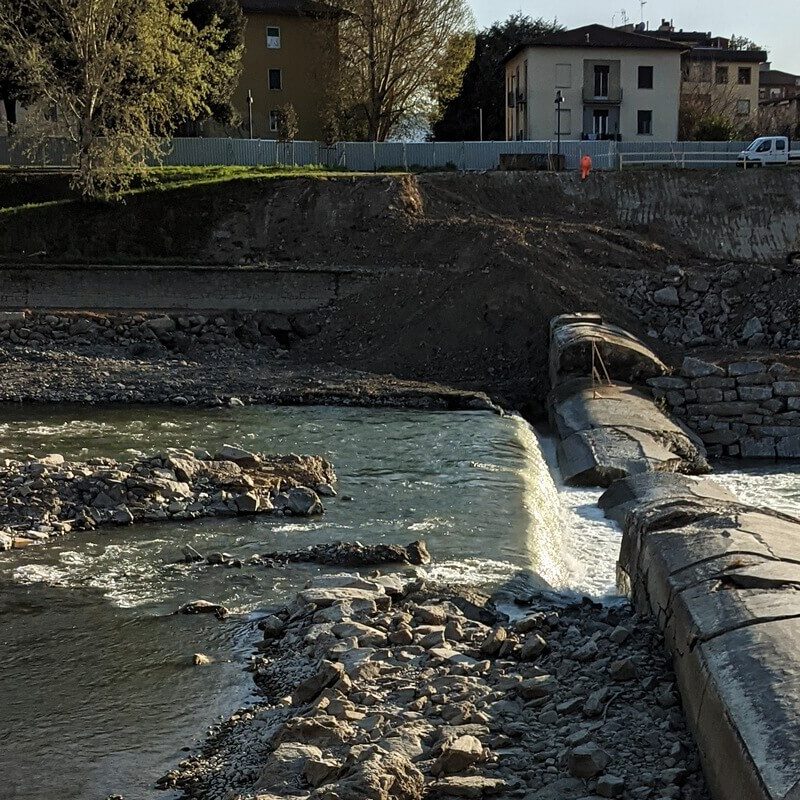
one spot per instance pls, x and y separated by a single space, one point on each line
445 277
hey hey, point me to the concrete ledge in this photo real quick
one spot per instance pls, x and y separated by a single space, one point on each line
281 290
722 580
608 431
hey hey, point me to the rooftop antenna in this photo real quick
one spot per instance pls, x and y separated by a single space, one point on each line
642 4
624 14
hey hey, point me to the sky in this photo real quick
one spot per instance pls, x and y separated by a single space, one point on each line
775 25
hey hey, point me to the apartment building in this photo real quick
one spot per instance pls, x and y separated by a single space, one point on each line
715 76
610 84
290 56
774 84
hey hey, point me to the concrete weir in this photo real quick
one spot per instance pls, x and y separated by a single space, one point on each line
607 428
721 578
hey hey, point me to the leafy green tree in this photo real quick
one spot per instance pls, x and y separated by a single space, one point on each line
484 79
227 14
119 74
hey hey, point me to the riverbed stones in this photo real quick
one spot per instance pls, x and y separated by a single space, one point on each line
50 496
587 760
204 607
401 721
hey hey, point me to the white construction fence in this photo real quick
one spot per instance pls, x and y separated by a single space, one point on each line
377 156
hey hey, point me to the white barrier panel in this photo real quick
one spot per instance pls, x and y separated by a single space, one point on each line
375 156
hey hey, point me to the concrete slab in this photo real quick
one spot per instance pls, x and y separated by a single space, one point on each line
621 354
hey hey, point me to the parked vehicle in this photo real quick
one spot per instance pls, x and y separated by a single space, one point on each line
768 151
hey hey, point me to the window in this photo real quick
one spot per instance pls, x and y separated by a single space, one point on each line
274 119
600 122
721 75
566 122
644 123
780 144
275 80
744 76
764 147
563 76
273 38
525 78
743 108
645 77
601 80
701 72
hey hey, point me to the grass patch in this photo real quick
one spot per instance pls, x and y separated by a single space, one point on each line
22 191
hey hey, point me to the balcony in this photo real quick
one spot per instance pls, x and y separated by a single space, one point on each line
613 96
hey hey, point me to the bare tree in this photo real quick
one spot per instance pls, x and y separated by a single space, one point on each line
393 55
118 75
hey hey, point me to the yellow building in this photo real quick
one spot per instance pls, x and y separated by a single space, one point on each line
717 78
290 56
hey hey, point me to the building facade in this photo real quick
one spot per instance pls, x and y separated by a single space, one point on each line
774 84
610 85
717 79
290 56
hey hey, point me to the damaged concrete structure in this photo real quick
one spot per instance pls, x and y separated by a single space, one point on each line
719 576
607 428
721 579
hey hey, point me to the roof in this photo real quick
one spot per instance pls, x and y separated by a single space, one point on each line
726 54
776 77
295 8
596 36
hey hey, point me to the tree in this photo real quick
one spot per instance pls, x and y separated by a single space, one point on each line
119 75
392 56
287 123
484 79
228 15
743 43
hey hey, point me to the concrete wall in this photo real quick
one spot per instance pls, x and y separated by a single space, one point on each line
180 288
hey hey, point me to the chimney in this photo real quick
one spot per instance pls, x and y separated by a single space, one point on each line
666 26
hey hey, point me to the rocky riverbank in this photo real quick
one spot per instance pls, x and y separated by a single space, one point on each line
384 689
51 496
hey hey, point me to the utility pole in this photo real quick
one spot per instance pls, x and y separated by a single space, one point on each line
559 100
250 111
480 124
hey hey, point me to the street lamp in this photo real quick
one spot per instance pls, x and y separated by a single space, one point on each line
559 100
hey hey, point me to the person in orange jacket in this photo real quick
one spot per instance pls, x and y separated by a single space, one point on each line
586 166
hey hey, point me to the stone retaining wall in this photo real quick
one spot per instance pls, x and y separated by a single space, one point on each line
741 408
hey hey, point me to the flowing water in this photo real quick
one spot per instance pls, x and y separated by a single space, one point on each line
98 692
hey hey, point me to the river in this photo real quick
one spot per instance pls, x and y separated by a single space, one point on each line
100 694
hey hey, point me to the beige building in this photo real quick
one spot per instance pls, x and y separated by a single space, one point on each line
613 85
717 78
290 55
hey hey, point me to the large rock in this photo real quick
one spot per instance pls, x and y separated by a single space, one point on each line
283 768
382 776
722 580
240 457
458 755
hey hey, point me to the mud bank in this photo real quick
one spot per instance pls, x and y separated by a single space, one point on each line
390 689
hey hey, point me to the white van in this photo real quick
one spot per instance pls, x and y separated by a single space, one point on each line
768 150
